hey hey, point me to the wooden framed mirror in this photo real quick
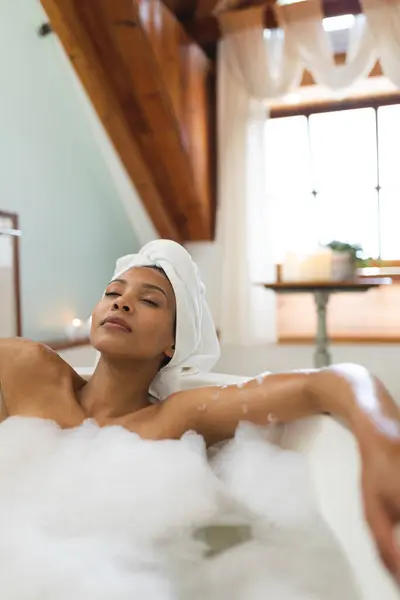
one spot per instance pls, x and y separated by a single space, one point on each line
10 297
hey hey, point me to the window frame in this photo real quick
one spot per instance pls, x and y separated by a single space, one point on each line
277 112
306 110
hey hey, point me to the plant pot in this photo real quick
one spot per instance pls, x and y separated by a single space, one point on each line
343 266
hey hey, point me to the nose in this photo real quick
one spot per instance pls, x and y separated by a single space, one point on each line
119 305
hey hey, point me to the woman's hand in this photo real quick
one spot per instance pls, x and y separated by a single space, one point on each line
352 393
381 491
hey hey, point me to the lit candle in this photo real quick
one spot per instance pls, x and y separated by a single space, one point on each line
76 329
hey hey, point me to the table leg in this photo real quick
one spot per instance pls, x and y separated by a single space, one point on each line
322 357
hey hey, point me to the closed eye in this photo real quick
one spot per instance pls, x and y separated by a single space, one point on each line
151 302
111 294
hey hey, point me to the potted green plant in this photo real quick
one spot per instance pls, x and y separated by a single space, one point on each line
345 259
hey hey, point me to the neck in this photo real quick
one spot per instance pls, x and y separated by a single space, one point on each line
117 388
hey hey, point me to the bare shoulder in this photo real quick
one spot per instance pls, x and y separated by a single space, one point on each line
37 382
14 344
17 349
18 354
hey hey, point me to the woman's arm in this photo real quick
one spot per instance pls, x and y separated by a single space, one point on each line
346 391
216 411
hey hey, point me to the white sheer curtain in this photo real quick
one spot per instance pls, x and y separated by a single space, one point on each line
252 68
304 30
383 18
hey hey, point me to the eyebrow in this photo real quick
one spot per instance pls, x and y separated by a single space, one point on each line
118 281
149 286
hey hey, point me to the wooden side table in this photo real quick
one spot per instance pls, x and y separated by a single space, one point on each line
322 291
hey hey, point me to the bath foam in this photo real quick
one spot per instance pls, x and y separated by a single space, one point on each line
101 514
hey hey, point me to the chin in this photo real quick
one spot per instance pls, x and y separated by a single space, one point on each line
110 343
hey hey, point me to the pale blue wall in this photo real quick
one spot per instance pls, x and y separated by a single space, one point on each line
54 176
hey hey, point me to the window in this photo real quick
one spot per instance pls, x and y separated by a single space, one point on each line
335 175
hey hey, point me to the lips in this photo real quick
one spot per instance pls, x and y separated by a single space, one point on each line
117 322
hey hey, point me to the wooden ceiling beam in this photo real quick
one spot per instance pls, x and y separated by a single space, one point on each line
118 63
206 31
184 10
67 22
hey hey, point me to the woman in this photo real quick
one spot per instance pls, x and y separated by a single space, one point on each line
153 321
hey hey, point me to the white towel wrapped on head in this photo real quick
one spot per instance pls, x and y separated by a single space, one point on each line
196 343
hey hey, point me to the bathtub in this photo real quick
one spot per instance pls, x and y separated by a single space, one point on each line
335 468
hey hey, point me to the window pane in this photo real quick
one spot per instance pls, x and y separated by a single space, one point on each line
288 183
390 209
287 153
389 171
343 149
389 145
344 156
350 215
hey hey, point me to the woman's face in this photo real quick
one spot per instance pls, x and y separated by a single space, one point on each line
136 318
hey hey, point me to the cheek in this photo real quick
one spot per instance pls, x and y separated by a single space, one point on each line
158 327
97 315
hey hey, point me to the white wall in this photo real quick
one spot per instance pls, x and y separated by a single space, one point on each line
7 303
78 210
